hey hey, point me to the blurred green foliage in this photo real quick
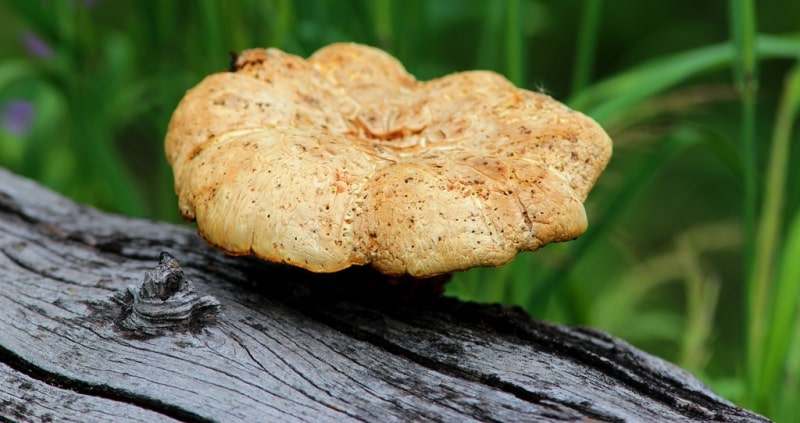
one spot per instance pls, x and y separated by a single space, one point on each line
693 251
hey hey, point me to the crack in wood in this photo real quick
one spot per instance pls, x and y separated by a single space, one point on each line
12 208
106 392
455 371
618 366
263 368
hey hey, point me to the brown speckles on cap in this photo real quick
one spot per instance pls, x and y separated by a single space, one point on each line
345 159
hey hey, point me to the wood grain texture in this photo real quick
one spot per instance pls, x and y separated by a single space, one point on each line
288 345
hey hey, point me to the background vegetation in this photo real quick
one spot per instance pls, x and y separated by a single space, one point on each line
694 248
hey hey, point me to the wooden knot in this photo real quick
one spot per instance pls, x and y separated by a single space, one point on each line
165 301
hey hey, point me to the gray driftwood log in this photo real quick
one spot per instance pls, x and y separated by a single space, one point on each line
286 345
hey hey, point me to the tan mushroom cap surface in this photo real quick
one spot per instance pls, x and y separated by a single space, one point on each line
345 159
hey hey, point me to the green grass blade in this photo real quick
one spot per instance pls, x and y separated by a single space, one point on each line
788 409
743 33
774 338
782 370
702 295
587 45
382 22
613 96
488 55
514 65
212 24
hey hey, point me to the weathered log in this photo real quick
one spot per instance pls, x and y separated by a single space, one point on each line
287 345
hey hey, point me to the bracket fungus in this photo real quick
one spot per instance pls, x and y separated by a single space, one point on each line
346 159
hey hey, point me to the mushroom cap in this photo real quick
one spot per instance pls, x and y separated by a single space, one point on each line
346 159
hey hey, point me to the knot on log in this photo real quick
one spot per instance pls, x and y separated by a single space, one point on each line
165 301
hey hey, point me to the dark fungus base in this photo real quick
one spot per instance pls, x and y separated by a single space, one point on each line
166 300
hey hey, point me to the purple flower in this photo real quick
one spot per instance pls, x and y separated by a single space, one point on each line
36 46
17 116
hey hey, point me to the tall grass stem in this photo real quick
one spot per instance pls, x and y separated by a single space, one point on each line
587 45
743 33
779 293
513 35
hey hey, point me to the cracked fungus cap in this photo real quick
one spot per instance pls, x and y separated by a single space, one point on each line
345 159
